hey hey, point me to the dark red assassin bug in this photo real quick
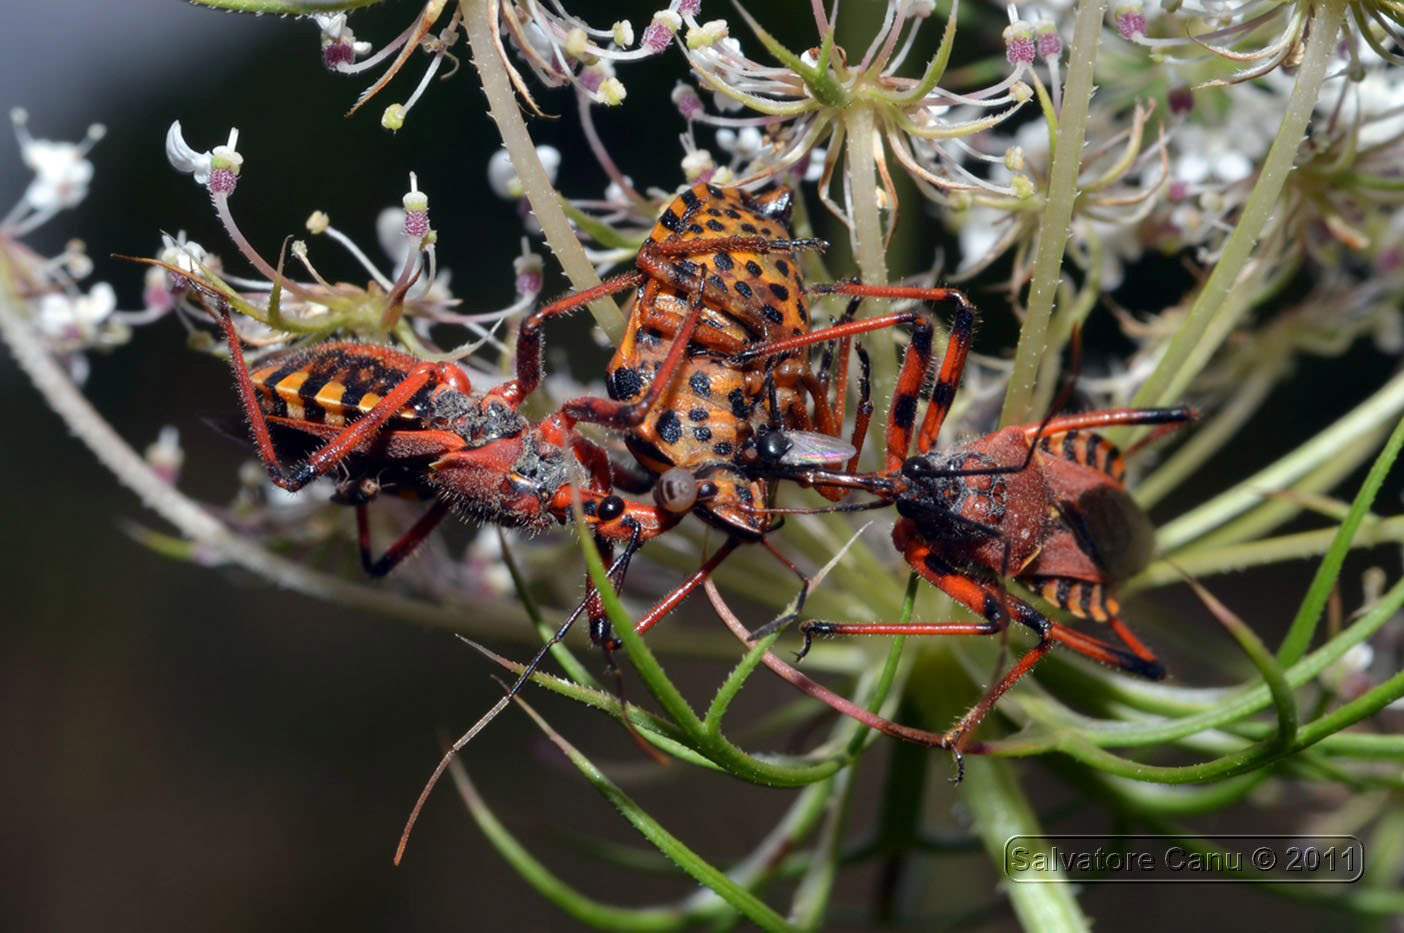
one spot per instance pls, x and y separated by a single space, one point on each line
376 411
1043 504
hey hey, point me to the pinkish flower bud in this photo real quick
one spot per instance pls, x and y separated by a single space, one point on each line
658 35
165 456
528 269
690 7
1130 20
1050 44
686 100
416 207
416 224
223 180
336 54
591 78
1019 45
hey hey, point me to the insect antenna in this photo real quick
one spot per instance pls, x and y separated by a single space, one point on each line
492 713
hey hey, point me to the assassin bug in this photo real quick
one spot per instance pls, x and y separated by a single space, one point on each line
422 424
1043 504
712 384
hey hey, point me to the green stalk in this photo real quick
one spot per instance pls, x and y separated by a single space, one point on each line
545 202
1349 439
869 249
1056 220
703 872
1303 627
1001 811
1189 351
575 904
1208 437
1231 557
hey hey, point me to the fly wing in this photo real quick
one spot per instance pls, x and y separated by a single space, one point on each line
812 449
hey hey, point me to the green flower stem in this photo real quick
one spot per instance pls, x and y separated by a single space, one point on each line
545 202
869 243
689 861
1339 449
1056 219
1232 557
1132 798
1000 810
859 141
1208 437
816 887
773 773
1383 871
1189 352
586 910
1303 628
1283 699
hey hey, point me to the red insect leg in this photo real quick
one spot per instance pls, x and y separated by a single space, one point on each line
988 599
403 546
1110 417
902 419
528 374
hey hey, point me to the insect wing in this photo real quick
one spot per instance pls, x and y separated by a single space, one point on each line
810 448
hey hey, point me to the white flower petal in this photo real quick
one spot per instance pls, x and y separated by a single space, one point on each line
185 159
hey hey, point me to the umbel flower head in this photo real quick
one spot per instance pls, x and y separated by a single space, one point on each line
408 302
826 104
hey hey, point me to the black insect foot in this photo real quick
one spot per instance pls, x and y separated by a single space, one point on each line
808 630
773 626
959 761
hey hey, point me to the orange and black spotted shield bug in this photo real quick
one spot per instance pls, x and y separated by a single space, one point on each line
1043 504
712 379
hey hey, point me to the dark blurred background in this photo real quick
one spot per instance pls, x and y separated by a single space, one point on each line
188 748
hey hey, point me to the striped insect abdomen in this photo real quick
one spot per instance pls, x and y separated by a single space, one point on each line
336 383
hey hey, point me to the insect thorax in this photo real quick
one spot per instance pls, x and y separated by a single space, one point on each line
471 418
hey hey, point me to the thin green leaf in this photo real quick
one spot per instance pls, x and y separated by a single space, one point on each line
690 862
936 68
1283 699
820 83
1303 627
584 909
602 233
563 655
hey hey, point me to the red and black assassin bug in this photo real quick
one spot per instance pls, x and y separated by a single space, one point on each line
1043 504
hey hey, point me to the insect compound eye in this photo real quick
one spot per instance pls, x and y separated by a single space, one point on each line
773 445
610 508
676 490
914 467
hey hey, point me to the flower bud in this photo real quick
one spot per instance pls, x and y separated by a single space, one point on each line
707 34
1019 45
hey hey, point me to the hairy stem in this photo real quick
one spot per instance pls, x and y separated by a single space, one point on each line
865 217
1189 351
1001 811
1055 223
545 202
